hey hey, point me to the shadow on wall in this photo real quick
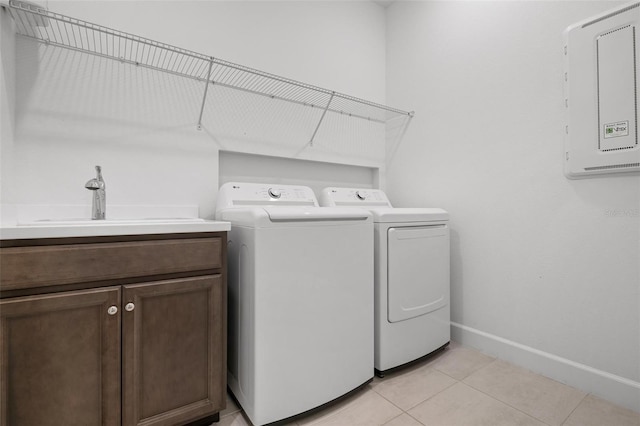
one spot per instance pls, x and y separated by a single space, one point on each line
241 167
396 129
457 279
88 97
77 96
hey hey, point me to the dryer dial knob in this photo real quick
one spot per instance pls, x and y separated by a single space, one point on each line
274 193
361 195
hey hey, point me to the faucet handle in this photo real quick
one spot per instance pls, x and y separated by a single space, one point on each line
97 182
92 184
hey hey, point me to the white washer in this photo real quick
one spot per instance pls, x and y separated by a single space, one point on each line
300 299
412 312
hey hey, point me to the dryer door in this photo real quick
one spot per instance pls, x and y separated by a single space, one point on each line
418 271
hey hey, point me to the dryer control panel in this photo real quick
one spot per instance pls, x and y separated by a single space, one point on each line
337 197
234 194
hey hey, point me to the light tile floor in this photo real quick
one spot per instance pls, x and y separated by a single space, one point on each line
461 387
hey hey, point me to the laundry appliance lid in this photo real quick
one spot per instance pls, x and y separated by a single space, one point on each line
376 201
400 214
307 214
272 216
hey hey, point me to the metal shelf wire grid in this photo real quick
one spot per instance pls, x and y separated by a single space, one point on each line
55 29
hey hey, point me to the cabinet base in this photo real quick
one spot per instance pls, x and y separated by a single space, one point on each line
205 421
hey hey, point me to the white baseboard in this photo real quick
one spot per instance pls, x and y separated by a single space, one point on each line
616 389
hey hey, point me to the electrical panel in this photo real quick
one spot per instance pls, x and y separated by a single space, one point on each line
601 93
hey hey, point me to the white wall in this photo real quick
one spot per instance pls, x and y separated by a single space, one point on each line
7 105
241 167
73 111
545 270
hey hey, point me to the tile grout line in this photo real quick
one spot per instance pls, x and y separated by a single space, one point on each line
414 418
515 408
344 404
456 381
507 404
472 372
497 399
392 419
462 381
415 405
407 411
575 408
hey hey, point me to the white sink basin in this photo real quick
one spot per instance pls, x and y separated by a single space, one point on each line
106 222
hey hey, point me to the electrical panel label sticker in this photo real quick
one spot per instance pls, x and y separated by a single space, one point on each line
614 130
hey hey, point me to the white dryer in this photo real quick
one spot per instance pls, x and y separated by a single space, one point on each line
300 311
412 313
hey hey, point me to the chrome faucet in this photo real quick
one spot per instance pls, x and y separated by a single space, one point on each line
98 187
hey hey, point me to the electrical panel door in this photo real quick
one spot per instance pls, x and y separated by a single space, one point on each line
601 94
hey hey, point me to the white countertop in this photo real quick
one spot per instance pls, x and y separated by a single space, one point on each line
89 228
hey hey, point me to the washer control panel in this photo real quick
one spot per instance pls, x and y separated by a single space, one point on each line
257 194
336 197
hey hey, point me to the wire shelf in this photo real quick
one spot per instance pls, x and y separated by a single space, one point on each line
52 28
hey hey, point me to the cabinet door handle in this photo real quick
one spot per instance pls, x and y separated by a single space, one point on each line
112 310
129 307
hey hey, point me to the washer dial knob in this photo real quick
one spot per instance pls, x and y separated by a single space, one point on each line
274 193
361 195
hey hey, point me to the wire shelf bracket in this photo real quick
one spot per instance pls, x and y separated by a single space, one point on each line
321 118
204 96
35 22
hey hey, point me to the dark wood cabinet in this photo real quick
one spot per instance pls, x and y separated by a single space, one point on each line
61 359
142 342
172 357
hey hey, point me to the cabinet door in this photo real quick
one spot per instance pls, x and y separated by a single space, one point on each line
174 362
61 359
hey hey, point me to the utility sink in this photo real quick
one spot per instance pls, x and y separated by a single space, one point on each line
57 228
